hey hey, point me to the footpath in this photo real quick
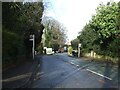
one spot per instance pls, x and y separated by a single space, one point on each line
20 76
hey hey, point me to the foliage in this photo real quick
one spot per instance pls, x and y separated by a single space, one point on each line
101 34
13 47
19 22
75 43
54 33
10 14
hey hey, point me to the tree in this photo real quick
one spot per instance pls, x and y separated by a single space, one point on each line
102 32
19 21
75 43
55 33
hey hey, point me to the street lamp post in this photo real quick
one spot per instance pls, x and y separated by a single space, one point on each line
79 45
32 38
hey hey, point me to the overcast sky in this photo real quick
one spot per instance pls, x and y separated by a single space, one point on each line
74 14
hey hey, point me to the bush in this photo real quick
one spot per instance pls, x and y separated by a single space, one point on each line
12 47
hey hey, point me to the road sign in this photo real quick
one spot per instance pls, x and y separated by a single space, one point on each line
31 39
79 45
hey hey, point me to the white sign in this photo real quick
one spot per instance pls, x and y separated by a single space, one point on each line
79 45
31 39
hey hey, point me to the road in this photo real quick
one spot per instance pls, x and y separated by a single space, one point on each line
61 71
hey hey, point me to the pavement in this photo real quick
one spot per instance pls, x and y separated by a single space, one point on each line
20 76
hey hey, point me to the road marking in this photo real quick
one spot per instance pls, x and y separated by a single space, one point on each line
99 74
77 65
72 63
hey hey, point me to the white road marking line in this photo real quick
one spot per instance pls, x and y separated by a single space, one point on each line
99 74
77 65
72 63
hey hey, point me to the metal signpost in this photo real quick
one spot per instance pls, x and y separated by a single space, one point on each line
33 40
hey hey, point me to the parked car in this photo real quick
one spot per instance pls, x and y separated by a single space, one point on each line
75 53
49 51
61 50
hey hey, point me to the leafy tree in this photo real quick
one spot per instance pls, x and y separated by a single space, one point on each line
19 21
10 14
55 33
75 43
104 23
101 34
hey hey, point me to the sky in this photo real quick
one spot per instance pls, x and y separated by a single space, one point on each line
73 14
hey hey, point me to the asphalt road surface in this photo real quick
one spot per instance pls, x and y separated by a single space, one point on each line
61 71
